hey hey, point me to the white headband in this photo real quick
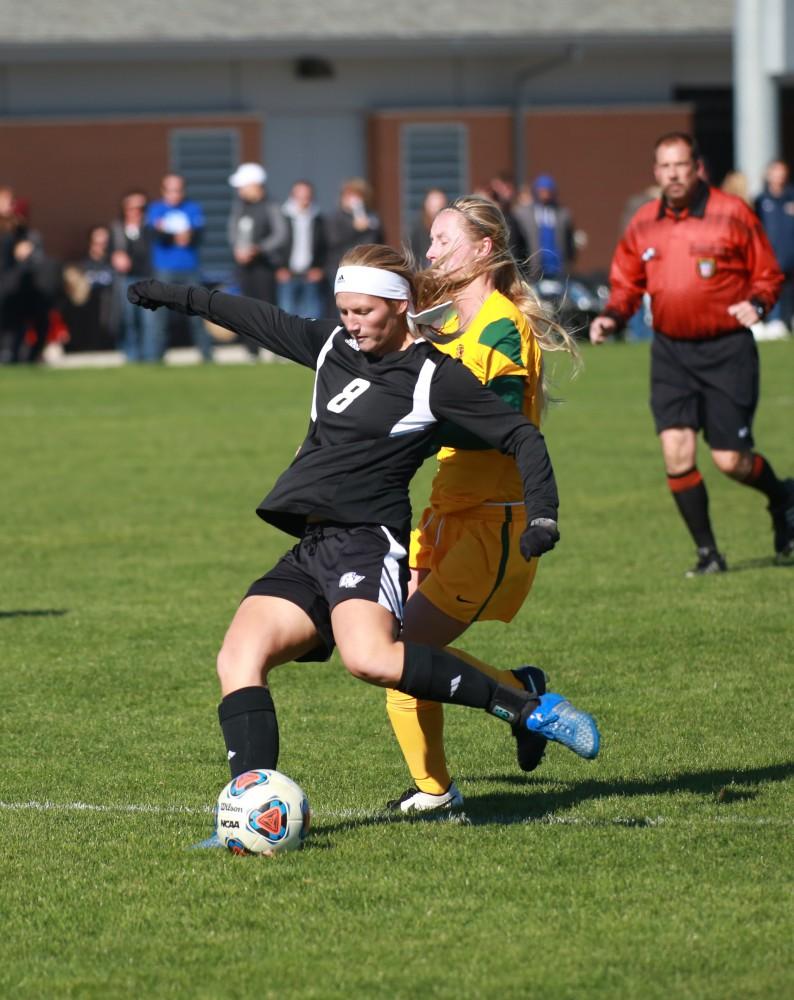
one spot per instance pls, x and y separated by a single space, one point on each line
371 281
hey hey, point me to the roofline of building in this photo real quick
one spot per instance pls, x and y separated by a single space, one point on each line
291 48
430 112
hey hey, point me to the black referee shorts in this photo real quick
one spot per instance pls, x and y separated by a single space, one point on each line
709 385
334 563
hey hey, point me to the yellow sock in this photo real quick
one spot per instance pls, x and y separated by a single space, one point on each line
506 677
419 728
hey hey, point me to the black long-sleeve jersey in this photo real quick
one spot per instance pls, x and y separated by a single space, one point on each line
373 420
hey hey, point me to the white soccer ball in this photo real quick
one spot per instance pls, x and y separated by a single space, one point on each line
262 812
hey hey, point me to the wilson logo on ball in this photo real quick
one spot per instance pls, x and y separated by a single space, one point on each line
249 779
270 821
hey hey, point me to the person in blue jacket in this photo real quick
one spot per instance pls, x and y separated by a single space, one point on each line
176 225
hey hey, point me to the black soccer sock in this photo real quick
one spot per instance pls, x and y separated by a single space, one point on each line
250 729
692 500
762 478
437 675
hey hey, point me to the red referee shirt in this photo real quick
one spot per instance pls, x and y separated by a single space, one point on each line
694 264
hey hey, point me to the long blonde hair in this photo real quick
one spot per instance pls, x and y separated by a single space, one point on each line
480 218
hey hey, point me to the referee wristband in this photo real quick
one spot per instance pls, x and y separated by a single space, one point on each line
759 307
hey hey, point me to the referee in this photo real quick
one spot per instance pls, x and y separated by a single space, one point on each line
703 258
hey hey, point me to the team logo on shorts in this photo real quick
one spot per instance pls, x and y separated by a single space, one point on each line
707 267
350 580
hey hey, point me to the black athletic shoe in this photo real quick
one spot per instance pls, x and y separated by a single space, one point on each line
783 523
709 561
530 746
412 800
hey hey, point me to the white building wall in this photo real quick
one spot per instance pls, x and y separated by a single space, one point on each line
597 74
318 127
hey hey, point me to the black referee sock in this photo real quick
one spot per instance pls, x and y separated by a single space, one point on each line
250 729
762 477
437 675
692 500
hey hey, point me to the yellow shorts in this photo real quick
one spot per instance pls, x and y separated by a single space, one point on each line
477 572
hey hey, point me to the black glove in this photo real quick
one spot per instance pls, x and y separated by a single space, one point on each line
151 294
541 535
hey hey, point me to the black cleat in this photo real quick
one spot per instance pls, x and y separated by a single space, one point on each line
530 746
413 801
783 523
709 561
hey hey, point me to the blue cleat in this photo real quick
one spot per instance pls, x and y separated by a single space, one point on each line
557 720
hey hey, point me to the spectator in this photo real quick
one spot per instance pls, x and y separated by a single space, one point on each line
548 231
29 284
735 183
176 227
775 208
98 272
501 188
301 288
131 260
258 233
524 195
434 201
711 274
353 223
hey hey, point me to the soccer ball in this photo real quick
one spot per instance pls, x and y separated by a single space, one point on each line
262 812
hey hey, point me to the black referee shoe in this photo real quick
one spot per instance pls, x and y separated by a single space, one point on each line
530 746
783 523
709 561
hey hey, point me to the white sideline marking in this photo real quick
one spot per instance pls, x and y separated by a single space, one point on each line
48 806
550 819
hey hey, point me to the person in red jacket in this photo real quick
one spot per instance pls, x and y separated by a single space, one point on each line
711 273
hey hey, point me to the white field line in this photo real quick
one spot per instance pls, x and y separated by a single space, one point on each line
47 806
549 819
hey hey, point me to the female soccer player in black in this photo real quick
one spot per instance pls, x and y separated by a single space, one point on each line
379 393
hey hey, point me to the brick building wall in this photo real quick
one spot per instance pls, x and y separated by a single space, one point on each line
73 172
599 156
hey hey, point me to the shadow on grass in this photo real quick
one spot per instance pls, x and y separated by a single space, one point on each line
723 785
770 562
35 613
535 801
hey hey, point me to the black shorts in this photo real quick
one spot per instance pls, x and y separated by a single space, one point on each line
709 385
335 563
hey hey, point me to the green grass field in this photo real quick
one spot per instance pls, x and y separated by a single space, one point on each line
661 870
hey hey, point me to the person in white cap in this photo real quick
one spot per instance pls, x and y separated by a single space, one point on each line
380 391
258 233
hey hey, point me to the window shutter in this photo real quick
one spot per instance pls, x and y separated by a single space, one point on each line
206 157
434 154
